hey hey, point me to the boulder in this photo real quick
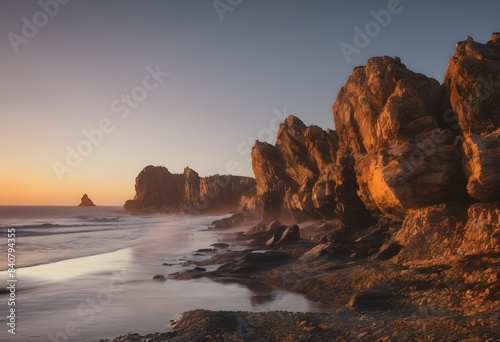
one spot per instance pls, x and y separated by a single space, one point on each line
159 278
323 250
472 82
284 235
290 235
277 234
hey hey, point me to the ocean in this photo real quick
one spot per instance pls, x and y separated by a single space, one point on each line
85 273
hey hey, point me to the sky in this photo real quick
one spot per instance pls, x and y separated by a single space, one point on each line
93 91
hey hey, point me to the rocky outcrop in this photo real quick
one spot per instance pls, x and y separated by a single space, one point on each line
413 174
472 82
482 231
448 230
157 189
387 118
86 202
396 147
297 173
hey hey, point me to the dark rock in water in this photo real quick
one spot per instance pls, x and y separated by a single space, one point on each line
86 202
159 277
220 245
200 269
206 250
228 222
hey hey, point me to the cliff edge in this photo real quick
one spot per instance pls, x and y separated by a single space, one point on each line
159 190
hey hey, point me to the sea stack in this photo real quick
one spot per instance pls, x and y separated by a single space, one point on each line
86 202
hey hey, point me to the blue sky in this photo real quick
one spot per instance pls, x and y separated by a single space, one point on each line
227 81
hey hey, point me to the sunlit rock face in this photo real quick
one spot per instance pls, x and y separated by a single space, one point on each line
472 82
388 120
157 189
296 174
448 230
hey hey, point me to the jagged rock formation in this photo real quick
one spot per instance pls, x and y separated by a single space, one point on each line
473 85
413 174
296 173
387 118
157 189
86 202
403 142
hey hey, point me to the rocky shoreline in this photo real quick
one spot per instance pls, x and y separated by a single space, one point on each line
393 218
375 294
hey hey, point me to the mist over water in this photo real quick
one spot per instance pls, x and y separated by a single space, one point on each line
86 273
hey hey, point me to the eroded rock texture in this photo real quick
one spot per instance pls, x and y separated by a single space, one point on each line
448 230
473 85
387 119
296 173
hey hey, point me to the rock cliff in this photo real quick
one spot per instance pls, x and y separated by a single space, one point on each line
404 145
388 119
472 82
296 174
157 189
86 202
410 185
